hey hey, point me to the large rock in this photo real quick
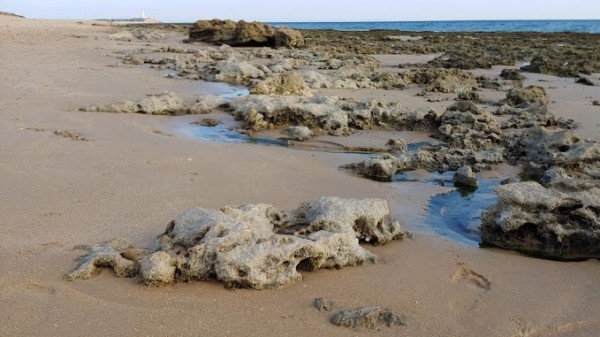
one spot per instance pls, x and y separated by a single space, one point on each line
242 33
544 222
253 246
524 97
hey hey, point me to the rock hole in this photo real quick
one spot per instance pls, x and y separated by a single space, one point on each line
307 264
563 148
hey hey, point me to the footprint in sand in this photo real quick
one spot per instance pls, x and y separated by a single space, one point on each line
465 275
33 287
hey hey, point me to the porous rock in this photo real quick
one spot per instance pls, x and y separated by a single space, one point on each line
290 83
299 133
464 125
464 176
397 144
512 74
374 317
544 222
119 255
523 97
242 33
322 304
254 245
163 104
442 80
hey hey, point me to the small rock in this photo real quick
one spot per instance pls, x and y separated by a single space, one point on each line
397 144
512 74
299 133
367 317
322 304
464 176
596 103
210 122
585 81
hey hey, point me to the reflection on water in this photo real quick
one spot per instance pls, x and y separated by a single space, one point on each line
455 214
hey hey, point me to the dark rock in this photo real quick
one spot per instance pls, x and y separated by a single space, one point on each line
512 74
585 81
524 97
367 317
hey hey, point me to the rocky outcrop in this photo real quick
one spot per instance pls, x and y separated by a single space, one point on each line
524 97
299 133
367 317
242 33
465 126
162 104
291 83
442 80
252 246
544 222
561 65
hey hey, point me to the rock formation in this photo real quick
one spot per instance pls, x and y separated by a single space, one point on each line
241 33
367 317
544 222
252 246
163 104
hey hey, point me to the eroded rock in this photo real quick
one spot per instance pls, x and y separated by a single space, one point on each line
252 246
291 83
544 222
464 176
162 104
374 317
299 133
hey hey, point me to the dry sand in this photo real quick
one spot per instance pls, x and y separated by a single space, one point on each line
134 175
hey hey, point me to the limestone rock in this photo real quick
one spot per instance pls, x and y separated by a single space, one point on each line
163 104
442 80
124 36
254 246
322 304
464 176
512 74
465 126
299 133
397 144
207 104
117 254
544 222
291 83
367 317
286 37
157 269
523 97
242 33
232 72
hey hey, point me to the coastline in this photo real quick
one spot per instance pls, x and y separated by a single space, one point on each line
135 175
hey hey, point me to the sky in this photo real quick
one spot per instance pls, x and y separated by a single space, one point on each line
307 10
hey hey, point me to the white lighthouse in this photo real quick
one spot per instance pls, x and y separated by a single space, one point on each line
143 14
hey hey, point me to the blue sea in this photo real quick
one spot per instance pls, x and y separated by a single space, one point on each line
582 26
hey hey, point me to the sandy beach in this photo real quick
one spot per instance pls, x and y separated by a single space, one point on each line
134 173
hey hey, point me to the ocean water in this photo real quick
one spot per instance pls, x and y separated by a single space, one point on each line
581 26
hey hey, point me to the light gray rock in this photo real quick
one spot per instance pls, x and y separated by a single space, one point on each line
397 144
323 304
207 104
464 176
290 83
544 222
255 245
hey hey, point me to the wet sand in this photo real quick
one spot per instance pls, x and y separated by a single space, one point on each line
134 175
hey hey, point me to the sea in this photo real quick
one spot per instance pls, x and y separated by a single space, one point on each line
580 26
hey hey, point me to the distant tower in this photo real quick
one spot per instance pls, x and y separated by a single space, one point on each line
143 14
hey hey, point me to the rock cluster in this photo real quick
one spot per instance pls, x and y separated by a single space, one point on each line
242 33
162 104
252 246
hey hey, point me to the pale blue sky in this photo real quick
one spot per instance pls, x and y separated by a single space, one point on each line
307 10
